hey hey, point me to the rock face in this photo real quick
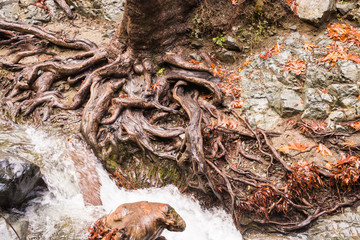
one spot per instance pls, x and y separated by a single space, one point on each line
138 221
315 12
111 10
17 179
26 11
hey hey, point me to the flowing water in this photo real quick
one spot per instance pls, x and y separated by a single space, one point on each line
63 212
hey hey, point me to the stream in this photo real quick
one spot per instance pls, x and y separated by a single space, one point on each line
62 212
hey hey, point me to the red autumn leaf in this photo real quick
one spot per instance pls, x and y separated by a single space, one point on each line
344 33
239 103
298 146
295 66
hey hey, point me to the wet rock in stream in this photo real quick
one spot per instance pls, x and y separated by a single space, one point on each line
18 178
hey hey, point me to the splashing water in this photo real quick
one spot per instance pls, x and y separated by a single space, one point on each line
62 213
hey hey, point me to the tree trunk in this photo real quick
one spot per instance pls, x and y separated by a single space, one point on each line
154 25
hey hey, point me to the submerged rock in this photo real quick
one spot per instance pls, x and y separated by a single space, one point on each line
17 179
139 221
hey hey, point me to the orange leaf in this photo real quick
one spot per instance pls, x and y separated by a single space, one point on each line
295 66
309 46
324 150
349 144
298 146
355 125
237 103
283 148
247 63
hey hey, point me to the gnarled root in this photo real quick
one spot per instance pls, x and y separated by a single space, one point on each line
177 116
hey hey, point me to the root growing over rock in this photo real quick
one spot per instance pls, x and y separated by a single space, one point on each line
177 115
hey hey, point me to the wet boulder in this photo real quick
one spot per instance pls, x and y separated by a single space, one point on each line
17 180
315 12
139 221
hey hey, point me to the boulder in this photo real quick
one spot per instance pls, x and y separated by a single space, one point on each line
17 179
315 12
139 221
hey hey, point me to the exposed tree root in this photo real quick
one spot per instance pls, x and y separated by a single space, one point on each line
123 100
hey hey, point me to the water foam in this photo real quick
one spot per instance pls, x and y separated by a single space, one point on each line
61 212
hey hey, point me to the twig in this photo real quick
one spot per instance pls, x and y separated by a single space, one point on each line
8 223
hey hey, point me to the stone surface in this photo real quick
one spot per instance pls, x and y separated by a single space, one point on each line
343 90
142 220
111 10
317 110
225 56
17 179
315 12
344 8
350 70
231 43
286 103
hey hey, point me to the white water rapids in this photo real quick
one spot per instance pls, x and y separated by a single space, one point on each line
61 212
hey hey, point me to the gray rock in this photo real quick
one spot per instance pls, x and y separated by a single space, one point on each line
315 12
343 90
113 10
344 8
317 77
197 44
195 56
225 56
9 10
37 15
350 70
348 102
319 110
312 95
17 179
286 103
293 27
267 121
231 43
328 98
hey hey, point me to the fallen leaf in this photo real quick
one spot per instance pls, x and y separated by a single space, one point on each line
298 146
324 150
309 46
283 148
